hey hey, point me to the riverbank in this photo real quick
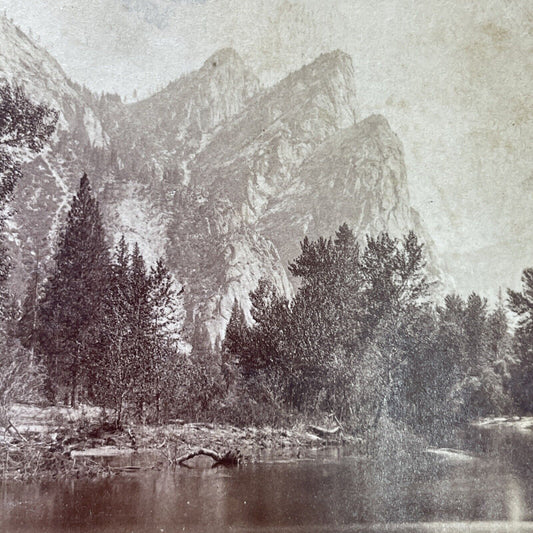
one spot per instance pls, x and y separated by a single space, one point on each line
461 488
54 442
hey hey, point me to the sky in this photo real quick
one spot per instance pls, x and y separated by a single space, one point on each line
453 78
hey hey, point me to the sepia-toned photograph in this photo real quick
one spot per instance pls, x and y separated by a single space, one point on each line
266 266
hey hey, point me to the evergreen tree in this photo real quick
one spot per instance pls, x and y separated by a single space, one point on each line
166 305
394 317
143 359
117 373
394 278
475 333
499 340
72 308
236 339
166 362
481 389
326 310
236 342
521 303
324 325
270 314
140 323
470 342
452 339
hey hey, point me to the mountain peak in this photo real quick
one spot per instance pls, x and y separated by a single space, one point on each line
331 75
376 122
331 61
335 56
222 57
254 157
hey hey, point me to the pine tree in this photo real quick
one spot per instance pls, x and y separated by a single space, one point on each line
499 341
141 319
141 327
394 278
72 308
471 358
521 303
165 359
236 343
271 318
142 330
475 333
166 304
236 339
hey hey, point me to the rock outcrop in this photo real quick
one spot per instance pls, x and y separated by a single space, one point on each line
357 176
254 157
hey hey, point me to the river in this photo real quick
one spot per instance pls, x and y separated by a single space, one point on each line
486 486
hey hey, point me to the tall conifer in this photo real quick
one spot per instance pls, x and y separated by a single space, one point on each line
71 311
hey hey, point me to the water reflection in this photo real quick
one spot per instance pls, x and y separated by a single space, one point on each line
491 490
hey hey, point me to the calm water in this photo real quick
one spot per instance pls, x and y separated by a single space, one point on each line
332 491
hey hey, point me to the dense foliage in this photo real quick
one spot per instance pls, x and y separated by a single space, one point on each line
521 303
108 328
362 338
72 308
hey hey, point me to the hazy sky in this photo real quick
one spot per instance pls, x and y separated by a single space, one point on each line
454 79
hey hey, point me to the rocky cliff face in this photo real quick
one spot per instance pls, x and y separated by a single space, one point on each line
221 260
159 136
25 63
296 162
255 156
356 176
217 175
43 194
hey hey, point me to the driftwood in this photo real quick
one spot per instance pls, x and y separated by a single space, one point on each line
8 426
201 425
230 458
324 433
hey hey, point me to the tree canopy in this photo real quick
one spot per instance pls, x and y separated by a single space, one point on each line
24 126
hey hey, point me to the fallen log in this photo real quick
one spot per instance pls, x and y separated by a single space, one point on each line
324 433
230 458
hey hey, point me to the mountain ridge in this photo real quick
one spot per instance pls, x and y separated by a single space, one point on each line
218 175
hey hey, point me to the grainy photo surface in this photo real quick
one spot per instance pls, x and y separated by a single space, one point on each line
266 266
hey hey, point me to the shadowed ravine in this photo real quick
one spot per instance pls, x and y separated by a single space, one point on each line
489 487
